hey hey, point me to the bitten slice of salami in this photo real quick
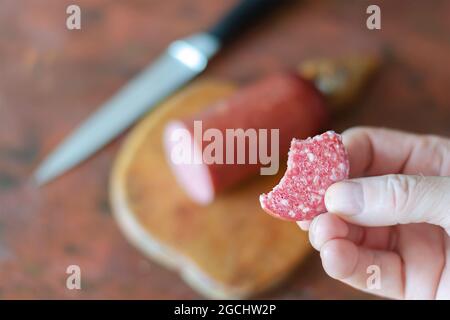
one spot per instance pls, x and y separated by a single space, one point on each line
313 165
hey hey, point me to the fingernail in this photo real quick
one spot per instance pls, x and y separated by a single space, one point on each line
313 230
304 225
345 197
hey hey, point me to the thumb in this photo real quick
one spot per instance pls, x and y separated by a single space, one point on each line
392 199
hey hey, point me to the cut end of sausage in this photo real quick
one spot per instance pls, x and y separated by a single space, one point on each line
313 165
184 156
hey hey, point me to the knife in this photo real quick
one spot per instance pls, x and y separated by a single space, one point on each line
182 61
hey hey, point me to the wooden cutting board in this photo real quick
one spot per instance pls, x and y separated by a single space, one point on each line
229 249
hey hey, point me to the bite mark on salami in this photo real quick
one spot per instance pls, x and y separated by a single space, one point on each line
313 165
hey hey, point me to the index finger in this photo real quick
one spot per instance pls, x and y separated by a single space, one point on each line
379 151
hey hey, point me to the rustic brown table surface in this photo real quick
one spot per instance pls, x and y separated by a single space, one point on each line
52 78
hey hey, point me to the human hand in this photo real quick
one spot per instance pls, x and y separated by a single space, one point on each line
397 218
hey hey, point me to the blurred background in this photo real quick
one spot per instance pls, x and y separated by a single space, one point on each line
52 78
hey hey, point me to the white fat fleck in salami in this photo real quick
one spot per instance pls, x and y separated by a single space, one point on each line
315 180
313 165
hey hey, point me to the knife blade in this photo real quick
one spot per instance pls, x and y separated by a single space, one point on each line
182 61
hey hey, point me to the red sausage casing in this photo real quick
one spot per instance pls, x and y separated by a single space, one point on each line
283 101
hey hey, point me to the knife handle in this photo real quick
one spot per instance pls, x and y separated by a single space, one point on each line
240 17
